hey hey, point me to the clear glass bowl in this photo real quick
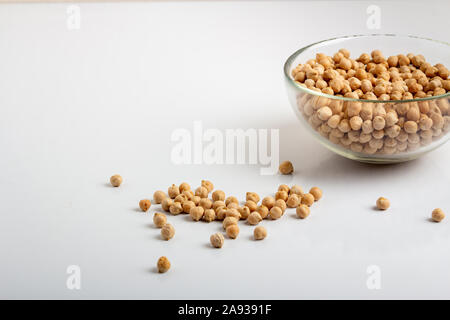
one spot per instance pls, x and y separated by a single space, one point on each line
391 144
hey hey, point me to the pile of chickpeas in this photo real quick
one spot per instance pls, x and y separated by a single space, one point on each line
385 125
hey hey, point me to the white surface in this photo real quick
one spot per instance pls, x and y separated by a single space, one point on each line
78 106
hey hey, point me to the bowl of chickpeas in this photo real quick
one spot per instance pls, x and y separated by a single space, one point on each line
373 98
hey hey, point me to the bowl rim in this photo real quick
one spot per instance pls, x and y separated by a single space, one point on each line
290 59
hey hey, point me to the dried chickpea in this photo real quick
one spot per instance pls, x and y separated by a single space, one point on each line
244 212
180 198
163 264
217 204
252 196
201 192
293 201
251 205
159 219
173 191
196 200
228 221
217 240
116 180
284 187
176 208
208 185
259 233
232 231
254 218
196 213
295 189
303 211
383 203
437 215
159 196
275 213
221 213
209 215
145 204
166 203
184 187
268 202
205 203
231 212
281 204
167 231
231 199
283 195
316 192
187 206
307 199
218 195
188 193
286 167
263 211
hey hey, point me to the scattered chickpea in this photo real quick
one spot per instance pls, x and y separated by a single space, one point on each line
232 231
187 206
159 219
283 195
221 213
145 204
201 192
286 167
251 205
159 196
295 189
316 192
244 212
303 211
184 187
437 215
254 218
307 199
232 212
383 203
217 204
180 198
176 208
217 240
173 191
209 215
205 203
196 200
228 221
263 211
281 204
231 199
284 187
268 202
163 265
252 196
116 180
196 213
275 213
218 195
233 205
293 201
167 231
259 233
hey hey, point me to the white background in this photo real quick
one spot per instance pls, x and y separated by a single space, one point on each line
77 106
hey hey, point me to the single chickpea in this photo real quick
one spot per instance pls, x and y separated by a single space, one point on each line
180 198
159 219
316 192
281 204
116 180
263 211
295 189
231 199
166 203
205 203
145 204
208 185
284 187
259 233
218 195
159 196
383 203
307 199
410 127
392 61
366 86
437 215
268 202
187 206
324 113
286 167
293 201
251 205
196 200
356 122
378 123
252 196
220 213
184 187
163 265
173 191
303 211
188 193
233 213
275 213
201 192
228 221
244 212
218 204
281 195
254 218
232 231
209 215
176 208
217 240
196 213
167 231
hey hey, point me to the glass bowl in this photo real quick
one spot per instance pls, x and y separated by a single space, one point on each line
393 143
